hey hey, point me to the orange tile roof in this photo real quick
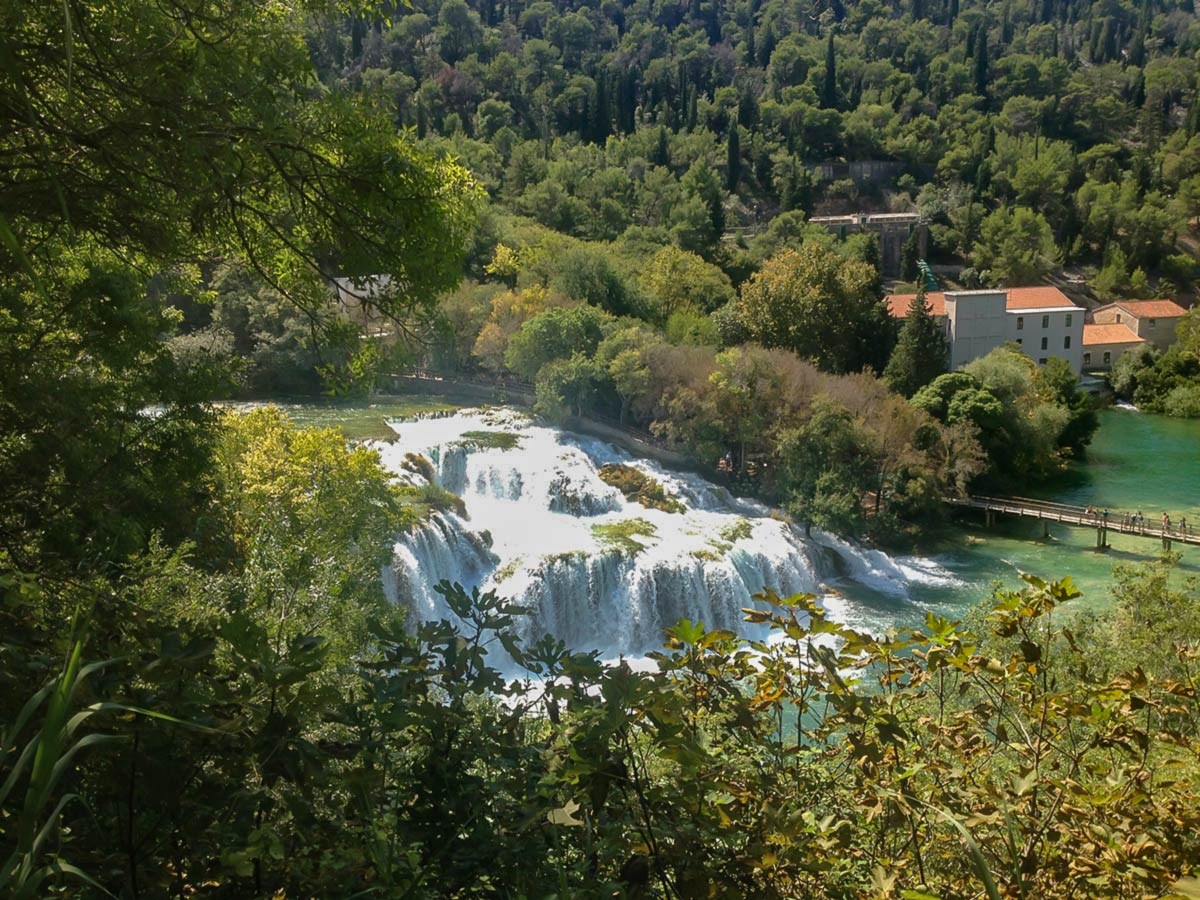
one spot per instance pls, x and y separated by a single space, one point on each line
898 304
1037 298
1117 333
1018 298
1152 309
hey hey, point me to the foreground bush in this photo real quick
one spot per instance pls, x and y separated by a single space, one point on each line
824 763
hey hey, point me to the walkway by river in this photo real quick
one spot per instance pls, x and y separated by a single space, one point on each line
1165 530
1136 462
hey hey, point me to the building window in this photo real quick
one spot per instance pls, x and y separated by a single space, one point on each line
1118 318
1107 357
1020 340
1068 320
1042 361
1020 323
1045 342
1087 359
1151 323
1045 321
1067 342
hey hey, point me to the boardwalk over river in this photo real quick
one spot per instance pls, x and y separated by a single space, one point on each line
1079 516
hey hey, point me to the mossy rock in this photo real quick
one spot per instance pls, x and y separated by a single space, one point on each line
488 440
623 536
419 465
567 556
638 487
508 570
740 530
422 501
707 555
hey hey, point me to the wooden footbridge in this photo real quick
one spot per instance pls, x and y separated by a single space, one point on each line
1080 516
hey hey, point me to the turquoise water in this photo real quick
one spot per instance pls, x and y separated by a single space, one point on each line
1136 461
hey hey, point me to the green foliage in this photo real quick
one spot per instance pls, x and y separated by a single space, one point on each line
1028 419
638 487
818 305
677 280
1016 247
565 387
921 353
419 502
828 468
287 498
1167 383
555 335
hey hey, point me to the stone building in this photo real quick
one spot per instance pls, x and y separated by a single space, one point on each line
893 229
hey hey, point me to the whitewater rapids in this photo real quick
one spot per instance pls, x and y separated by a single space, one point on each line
531 534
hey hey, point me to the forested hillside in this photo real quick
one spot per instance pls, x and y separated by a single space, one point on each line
1029 133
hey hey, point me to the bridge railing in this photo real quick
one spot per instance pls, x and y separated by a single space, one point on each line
1117 520
1030 503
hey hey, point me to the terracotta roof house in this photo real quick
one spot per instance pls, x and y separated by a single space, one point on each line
1151 320
1042 320
1102 344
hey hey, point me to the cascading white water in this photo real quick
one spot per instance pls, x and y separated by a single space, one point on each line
532 535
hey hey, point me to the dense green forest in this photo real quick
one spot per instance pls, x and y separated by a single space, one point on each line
203 689
1029 133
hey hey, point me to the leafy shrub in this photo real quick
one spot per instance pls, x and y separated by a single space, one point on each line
1183 401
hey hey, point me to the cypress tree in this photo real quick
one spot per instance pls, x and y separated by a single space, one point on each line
1094 43
1137 48
767 47
829 86
662 153
733 159
602 115
981 63
910 255
921 351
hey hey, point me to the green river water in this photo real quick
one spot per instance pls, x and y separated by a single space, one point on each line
1136 461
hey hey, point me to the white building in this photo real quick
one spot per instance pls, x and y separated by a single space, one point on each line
1042 320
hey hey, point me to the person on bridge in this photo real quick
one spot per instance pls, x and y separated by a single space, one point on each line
1166 522
1183 525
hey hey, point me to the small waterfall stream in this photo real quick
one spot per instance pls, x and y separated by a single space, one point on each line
596 570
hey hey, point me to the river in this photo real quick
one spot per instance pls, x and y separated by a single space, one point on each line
1136 462
533 509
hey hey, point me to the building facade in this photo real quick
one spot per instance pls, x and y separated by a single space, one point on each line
892 229
1152 321
1104 344
1042 321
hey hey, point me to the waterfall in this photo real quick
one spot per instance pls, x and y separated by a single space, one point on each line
596 570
